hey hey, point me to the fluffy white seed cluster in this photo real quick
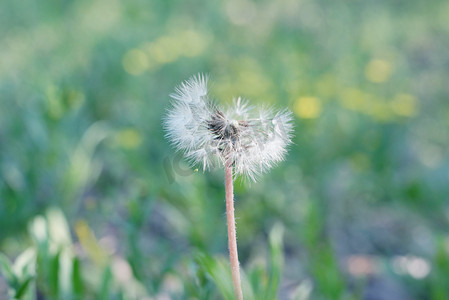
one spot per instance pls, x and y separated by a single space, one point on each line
249 139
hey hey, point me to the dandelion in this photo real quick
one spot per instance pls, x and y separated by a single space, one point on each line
245 140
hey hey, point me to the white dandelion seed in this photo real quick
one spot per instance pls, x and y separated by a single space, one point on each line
243 139
250 139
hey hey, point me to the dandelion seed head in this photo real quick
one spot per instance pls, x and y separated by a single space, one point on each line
250 139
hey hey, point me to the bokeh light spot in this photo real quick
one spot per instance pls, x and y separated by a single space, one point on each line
308 107
164 50
326 86
241 12
129 138
361 265
193 43
417 267
135 62
378 70
378 109
404 105
352 98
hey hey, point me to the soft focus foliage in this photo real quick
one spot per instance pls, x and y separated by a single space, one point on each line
94 203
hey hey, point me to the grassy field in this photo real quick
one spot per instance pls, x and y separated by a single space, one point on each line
95 203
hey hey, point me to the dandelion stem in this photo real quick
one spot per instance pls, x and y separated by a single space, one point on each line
233 255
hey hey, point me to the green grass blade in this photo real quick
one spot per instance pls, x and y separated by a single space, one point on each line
219 273
23 288
6 269
77 281
276 261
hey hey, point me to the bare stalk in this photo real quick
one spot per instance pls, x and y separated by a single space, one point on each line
232 238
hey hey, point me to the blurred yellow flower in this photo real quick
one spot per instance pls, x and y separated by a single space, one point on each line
326 85
378 70
128 138
135 62
352 98
244 76
193 43
164 50
404 105
308 107
378 109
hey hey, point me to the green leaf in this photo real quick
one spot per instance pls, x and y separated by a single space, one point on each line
439 279
54 275
276 261
322 261
219 273
6 269
258 279
77 281
25 263
22 289
106 283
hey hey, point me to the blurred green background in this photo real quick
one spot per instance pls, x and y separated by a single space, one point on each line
95 204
